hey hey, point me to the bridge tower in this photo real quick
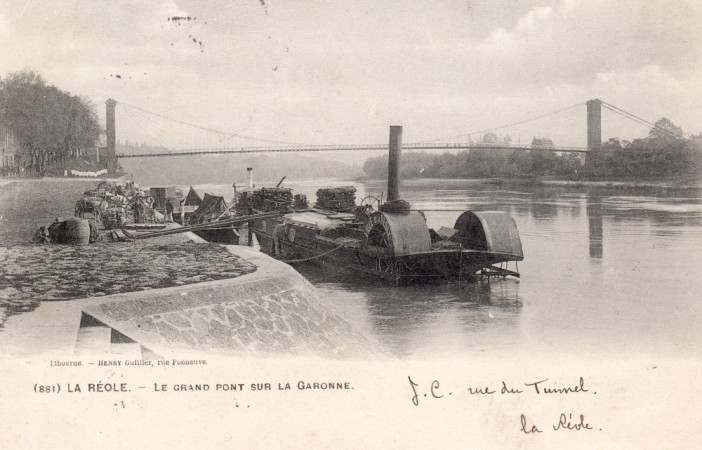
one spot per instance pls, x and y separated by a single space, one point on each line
111 157
594 129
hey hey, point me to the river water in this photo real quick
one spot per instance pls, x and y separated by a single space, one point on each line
607 271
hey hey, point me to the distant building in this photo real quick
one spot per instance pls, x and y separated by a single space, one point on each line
9 149
542 142
98 152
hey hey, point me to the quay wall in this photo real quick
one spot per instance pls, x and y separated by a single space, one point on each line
273 311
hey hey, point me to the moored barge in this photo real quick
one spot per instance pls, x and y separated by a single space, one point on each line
393 242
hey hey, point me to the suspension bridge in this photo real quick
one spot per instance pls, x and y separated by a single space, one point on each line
176 137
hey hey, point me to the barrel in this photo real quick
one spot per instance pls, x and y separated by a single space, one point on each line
77 231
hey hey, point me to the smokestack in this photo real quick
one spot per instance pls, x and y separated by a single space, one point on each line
250 171
395 148
110 130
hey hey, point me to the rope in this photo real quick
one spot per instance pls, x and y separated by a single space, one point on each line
312 257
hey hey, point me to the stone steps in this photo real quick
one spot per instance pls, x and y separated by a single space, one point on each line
126 351
96 340
93 341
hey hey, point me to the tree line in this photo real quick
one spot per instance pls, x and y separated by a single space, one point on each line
50 124
663 153
482 162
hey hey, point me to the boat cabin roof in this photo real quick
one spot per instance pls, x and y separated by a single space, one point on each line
316 219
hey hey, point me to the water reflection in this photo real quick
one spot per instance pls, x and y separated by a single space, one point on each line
426 320
571 289
543 210
595 228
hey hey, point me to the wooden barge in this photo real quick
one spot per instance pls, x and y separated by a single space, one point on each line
393 243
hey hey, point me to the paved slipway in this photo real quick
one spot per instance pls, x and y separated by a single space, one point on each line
272 311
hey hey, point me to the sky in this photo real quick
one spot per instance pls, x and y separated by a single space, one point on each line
341 72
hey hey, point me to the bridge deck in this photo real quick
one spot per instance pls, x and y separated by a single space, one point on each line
371 147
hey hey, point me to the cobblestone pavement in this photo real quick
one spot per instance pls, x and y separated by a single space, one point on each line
32 274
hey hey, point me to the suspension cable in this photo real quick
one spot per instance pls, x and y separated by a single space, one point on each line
212 130
519 122
635 118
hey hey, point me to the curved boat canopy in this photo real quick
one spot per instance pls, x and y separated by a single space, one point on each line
407 233
492 231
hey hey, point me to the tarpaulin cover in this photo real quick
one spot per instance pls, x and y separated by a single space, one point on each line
192 199
212 205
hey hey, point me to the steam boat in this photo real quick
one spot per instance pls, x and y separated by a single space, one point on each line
392 242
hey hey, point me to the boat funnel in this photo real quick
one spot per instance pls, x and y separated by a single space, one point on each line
395 148
250 171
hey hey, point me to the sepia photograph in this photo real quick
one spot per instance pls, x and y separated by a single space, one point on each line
327 224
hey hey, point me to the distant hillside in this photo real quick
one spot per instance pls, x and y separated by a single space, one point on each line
203 169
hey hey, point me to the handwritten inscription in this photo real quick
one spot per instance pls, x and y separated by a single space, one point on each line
542 389
562 421
565 423
536 387
527 428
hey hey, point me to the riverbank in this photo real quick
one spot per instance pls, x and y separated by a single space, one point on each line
104 177
272 311
655 184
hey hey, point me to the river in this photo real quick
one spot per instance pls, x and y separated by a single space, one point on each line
606 271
